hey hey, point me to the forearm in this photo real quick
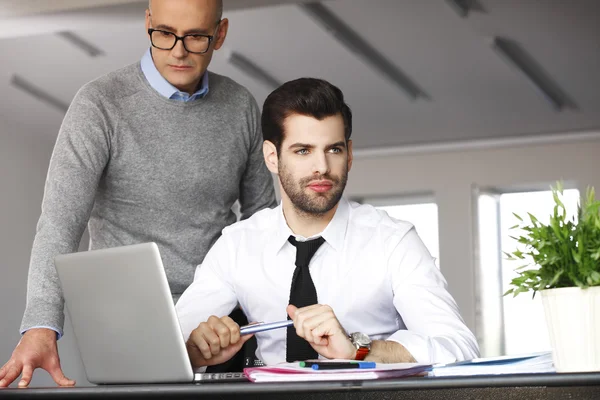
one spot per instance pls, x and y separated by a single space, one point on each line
44 295
211 292
77 163
384 351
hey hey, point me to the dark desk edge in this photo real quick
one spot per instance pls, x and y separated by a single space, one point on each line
516 380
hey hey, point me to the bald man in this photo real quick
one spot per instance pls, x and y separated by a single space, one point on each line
159 151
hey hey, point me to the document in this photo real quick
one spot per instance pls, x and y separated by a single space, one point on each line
294 372
533 363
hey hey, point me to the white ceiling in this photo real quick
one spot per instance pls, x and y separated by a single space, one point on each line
474 94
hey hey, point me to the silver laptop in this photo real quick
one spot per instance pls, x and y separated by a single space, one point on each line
124 318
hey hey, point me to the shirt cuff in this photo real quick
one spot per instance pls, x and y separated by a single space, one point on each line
422 347
58 333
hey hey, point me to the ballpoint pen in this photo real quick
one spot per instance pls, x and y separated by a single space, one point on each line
351 364
261 326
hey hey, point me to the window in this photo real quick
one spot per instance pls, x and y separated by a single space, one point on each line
510 325
419 211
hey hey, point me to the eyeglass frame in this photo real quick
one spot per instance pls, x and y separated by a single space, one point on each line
181 38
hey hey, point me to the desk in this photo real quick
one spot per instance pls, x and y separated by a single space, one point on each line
534 386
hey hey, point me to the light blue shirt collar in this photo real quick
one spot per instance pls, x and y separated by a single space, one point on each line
162 86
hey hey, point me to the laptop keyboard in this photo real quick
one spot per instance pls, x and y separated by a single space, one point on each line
221 377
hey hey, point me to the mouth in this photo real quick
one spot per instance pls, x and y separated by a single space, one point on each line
321 186
180 67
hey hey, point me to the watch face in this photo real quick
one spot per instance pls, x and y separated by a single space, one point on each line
360 339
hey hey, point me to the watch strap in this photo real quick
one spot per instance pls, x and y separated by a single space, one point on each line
361 353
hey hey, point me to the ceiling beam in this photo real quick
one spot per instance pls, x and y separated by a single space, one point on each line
22 8
358 46
34 17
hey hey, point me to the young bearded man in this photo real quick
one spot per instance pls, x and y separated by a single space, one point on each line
370 275
157 151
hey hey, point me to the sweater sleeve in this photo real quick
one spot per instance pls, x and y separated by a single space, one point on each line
256 187
78 160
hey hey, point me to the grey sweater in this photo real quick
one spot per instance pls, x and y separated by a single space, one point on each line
140 167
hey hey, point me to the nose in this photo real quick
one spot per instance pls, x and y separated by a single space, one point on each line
321 164
179 50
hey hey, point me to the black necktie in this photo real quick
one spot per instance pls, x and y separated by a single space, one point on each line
302 294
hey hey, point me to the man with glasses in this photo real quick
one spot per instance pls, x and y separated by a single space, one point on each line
157 151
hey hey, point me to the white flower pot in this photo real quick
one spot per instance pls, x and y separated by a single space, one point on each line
573 320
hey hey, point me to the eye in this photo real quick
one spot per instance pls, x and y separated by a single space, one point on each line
196 38
165 34
302 152
335 150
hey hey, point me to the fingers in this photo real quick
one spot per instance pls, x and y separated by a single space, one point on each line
26 378
57 374
317 328
233 331
37 348
314 323
207 340
194 352
3 372
216 334
291 310
12 370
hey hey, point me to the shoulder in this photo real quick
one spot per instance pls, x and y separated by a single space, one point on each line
225 88
366 218
259 223
112 86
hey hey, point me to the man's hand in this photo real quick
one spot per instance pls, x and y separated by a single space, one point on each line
215 341
36 349
318 325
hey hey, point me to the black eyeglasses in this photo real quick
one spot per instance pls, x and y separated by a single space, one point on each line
193 43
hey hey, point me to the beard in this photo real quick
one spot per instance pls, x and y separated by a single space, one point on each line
308 202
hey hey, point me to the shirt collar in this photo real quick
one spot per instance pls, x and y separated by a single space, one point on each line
334 233
162 86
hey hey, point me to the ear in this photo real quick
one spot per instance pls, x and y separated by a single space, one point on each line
350 157
270 155
147 20
221 33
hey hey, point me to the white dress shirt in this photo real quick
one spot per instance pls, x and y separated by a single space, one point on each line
374 272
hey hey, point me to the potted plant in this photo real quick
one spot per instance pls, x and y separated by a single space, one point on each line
563 264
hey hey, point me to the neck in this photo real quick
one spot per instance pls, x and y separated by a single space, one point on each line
190 89
304 223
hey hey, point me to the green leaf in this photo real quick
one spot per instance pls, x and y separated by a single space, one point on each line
566 250
555 279
557 200
595 278
533 218
518 254
517 217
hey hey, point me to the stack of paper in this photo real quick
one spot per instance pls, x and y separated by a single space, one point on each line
293 372
522 364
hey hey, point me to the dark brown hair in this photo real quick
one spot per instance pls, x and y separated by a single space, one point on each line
311 97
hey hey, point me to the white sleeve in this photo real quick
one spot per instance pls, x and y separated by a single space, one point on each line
435 331
212 292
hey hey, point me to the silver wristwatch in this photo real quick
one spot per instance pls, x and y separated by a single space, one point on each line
362 343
